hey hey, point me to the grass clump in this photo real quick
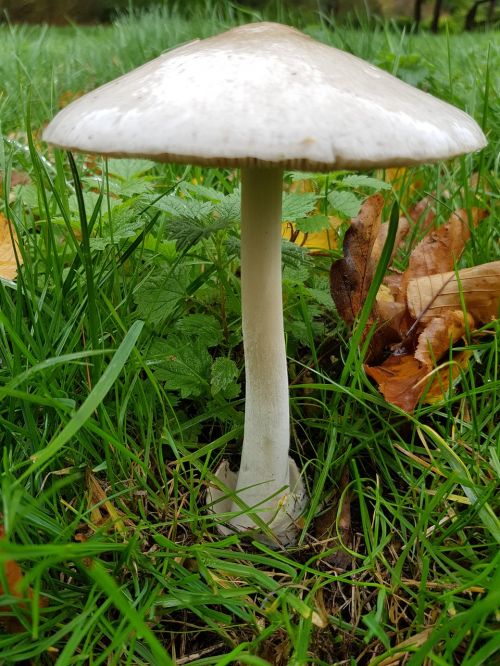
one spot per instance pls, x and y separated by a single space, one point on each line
121 384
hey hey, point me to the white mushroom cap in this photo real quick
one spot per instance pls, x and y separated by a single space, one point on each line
265 94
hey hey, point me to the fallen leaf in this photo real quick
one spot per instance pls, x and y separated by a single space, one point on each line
13 576
333 526
440 250
401 234
401 180
477 288
350 276
401 380
390 318
9 247
423 213
17 178
69 96
440 333
392 322
445 376
420 312
315 241
97 500
302 186
406 647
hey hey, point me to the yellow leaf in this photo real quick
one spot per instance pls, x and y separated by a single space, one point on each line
399 178
8 249
96 498
317 241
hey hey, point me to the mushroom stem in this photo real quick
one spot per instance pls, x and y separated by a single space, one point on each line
264 476
268 481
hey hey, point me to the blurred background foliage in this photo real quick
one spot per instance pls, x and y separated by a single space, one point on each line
435 15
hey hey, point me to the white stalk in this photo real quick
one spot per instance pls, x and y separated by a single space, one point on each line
268 484
263 477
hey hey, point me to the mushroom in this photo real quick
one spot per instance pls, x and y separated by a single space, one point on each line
264 97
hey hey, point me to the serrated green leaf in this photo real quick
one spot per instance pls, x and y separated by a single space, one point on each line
28 194
184 366
232 391
294 256
137 185
313 224
296 275
189 232
157 297
301 332
183 208
128 169
303 175
297 263
202 191
321 296
224 372
296 205
123 222
91 199
345 203
204 327
185 232
360 180
228 210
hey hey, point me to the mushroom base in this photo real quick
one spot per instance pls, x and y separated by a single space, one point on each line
289 507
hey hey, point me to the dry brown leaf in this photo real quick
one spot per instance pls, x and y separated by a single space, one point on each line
69 96
441 248
415 641
401 380
401 234
8 249
14 587
477 287
423 213
350 276
439 334
392 324
419 313
302 186
393 281
448 372
97 500
17 178
388 311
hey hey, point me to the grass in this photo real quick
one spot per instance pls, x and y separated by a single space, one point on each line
121 377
